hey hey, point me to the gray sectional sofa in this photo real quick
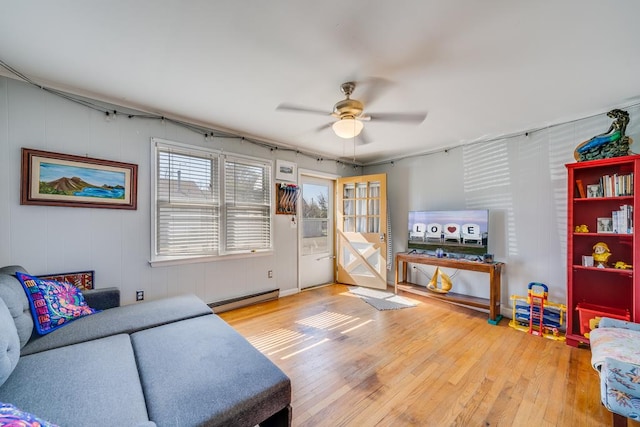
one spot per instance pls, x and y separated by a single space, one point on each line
170 362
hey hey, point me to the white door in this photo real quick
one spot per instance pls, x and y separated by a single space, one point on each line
317 261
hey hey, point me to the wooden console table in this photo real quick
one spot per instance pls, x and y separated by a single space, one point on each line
494 269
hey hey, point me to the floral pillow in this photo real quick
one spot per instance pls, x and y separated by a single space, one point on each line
53 304
10 416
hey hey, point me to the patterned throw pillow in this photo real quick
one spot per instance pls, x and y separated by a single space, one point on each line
53 304
11 416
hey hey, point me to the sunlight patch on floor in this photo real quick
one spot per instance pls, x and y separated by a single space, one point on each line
269 340
357 326
354 319
325 320
305 349
280 340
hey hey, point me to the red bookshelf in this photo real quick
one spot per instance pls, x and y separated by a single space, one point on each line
613 290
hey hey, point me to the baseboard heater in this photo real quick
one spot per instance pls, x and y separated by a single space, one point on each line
233 303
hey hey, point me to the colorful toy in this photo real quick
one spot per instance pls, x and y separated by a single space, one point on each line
623 265
536 315
582 228
601 254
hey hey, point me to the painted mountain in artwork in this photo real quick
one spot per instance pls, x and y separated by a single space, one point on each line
66 185
77 187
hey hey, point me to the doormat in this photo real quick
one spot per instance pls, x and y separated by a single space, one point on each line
382 300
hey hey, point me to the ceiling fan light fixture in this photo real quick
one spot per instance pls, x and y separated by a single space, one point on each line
347 128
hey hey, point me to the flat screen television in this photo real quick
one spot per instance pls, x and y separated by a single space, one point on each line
459 233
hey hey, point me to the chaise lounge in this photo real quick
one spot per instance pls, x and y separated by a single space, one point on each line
169 362
615 355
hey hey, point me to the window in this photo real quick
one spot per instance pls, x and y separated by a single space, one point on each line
191 219
247 198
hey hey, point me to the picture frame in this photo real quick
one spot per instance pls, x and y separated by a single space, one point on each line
604 225
587 261
55 179
82 280
593 191
286 171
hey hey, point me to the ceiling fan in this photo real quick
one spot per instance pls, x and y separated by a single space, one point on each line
350 114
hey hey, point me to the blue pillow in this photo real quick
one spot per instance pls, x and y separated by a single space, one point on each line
14 417
53 304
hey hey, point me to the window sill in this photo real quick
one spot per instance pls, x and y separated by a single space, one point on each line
169 261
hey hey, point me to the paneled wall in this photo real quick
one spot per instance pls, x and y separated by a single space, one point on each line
116 243
521 180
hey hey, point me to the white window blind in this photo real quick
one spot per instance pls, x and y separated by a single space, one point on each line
247 197
193 218
187 202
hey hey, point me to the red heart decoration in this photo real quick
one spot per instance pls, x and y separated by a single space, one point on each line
451 229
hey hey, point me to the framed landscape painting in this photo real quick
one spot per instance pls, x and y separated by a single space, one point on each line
286 171
54 179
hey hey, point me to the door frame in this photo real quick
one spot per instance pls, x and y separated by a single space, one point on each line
322 175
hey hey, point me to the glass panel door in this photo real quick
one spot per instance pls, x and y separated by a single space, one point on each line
361 231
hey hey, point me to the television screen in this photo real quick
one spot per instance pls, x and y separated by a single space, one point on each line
457 233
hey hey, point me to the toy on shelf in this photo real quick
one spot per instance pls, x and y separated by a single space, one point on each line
536 315
623 265
582 228
601 254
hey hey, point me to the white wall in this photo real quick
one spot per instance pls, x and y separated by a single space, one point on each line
521 180
116 243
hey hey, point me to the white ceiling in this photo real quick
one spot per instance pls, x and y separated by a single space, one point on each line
479 69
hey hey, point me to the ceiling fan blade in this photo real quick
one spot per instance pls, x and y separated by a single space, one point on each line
299 109
373 88
363 138
398 117
323 127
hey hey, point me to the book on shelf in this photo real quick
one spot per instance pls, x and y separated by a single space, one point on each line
580 186
617 185
622 220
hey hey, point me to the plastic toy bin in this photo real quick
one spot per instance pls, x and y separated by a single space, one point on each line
588 311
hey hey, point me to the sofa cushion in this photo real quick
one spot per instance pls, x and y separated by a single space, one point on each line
12 293
12 416
617 343
53 304
126 319
89 384
9 343
230 383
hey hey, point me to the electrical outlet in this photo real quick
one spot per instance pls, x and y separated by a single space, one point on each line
139 295
270 274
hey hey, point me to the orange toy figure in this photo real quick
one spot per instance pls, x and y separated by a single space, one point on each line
601 254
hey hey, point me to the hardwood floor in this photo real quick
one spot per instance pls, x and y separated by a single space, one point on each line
431 365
